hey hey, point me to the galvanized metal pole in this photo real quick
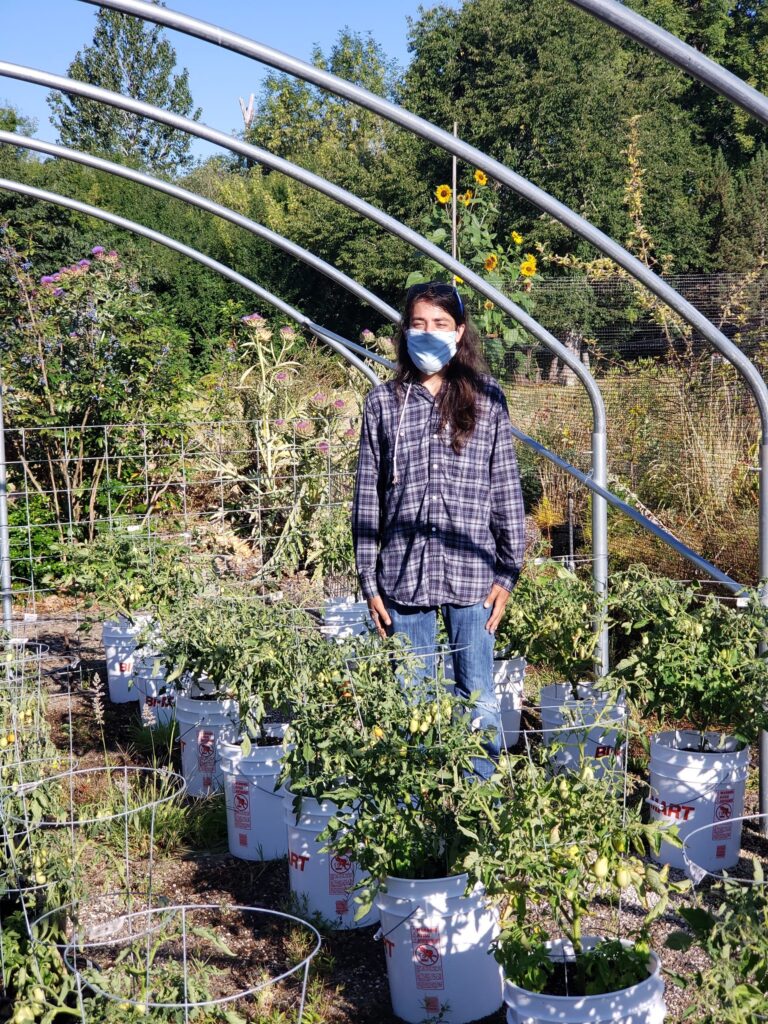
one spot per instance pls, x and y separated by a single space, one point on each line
6 584
337 343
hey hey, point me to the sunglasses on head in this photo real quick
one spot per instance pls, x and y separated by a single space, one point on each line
437 288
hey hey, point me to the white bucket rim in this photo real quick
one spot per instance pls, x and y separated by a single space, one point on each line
588 942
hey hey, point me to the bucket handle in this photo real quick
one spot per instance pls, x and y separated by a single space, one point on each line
726 777
383 935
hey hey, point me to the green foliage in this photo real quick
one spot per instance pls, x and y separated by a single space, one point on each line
693 655
396 758
130 574
690 656
553 619
499 262
562 842
134 58
85 345
248 649
733 987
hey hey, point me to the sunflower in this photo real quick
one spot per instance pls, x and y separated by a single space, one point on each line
528 266
492 261
466 197
481 177
443 194
517 238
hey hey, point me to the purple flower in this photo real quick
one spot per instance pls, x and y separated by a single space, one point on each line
56 276
350 432
58 291
26 265
97 250
279 422
281 375
74 334
254 319
46 279
323 447
319 398
84 264
303 427
339 403
287 332
366 336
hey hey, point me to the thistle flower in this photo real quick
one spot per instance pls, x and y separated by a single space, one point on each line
303 427
339 403
323 447
97 250
288 333
252 320
58 292
319 398
366 336
281 376
84 264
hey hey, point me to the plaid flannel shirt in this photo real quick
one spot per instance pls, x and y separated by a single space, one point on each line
436 527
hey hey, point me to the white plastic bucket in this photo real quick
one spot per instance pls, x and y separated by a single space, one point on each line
642 1003
436 943
119 638
692 787
587 720
203 726
255 820
325 880
508 679
344 618
155 694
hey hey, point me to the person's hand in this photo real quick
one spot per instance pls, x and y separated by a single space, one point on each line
379 614
497 599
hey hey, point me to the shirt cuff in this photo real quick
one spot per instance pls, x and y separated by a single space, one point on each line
507 580
368 585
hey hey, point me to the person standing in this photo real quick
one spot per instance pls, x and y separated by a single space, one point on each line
437 517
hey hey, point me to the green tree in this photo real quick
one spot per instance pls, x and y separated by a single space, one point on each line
551 91
133 58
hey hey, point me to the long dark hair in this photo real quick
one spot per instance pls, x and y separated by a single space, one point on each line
458 403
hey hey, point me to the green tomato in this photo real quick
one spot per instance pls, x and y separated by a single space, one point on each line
600 868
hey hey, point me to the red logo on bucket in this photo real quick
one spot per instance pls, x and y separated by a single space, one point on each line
241 803
431 1004
342 907
389 946
295 860
341 875
206 750
428 963
124 667
724 805
243 839
720 852
680 812
160 702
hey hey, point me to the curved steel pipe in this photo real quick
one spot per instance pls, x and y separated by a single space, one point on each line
203 203
443 139
327 188
674 50
337 343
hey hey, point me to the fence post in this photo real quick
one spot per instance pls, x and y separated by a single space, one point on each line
5 541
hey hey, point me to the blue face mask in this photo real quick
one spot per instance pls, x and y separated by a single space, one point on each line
431 350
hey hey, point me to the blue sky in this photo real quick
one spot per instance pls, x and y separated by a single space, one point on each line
47 33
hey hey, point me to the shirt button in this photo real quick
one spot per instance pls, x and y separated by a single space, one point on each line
435 435
434 465
434 528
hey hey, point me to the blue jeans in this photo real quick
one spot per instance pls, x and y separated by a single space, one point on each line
472 647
